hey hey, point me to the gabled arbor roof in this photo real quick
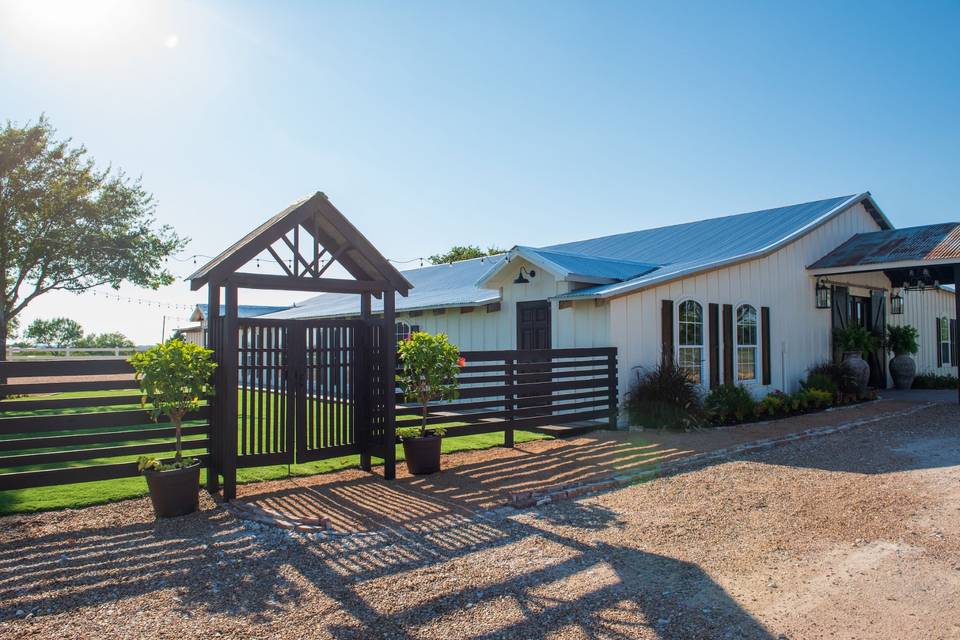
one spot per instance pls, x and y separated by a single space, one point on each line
328 229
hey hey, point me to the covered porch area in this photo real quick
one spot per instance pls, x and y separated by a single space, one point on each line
916 260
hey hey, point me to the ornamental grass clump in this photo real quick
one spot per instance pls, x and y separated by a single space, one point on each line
430 364
175 378
666 398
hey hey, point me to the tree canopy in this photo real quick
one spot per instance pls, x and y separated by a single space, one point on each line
67 225
458 252
55 332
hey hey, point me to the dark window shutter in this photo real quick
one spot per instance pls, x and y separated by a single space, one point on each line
765 344
414 328
953 342
840 313
936 342
728 344
714 320
666 331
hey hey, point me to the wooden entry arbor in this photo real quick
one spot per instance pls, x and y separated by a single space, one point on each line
297 390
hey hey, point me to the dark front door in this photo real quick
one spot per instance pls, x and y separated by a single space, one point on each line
533 325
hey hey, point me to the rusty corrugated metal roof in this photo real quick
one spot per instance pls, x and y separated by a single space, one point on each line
930 242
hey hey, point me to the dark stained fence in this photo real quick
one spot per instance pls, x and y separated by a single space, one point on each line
508 390
58 440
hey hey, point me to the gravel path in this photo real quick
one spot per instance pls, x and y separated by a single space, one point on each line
848 536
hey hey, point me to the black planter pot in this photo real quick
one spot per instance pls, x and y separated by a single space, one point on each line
422 454
174 493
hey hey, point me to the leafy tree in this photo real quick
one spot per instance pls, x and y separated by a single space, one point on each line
174 377
105 341
67 225
430 364
458 252
55 332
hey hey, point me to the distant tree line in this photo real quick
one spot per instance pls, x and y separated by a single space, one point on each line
467 252
61 333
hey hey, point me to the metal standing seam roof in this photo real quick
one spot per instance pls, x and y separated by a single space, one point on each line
243 311
926 243
629 261
436 286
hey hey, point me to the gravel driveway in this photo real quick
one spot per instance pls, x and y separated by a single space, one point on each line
849 535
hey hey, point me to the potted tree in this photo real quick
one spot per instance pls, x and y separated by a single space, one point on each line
430 364
174 378
903 341
855 342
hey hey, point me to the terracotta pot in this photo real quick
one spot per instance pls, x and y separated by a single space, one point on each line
174 493
855 361
903 370
422 454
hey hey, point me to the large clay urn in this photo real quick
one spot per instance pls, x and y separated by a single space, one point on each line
859 366
903 370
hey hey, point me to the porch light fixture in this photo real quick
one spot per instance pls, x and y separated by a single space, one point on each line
823 295
896 304
520 279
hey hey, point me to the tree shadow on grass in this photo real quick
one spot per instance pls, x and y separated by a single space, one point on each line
386 583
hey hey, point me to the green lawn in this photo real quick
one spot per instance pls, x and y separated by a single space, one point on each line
90 493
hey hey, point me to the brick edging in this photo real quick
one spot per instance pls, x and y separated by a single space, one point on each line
526 499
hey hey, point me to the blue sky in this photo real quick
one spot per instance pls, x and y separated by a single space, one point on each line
504 123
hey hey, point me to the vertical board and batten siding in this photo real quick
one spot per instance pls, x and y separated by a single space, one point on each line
921 310
585 324
800 334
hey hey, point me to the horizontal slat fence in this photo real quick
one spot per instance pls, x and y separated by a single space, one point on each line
508 390
95 436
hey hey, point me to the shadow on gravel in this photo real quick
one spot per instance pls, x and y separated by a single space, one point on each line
218 566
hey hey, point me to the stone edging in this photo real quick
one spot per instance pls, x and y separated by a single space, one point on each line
525 499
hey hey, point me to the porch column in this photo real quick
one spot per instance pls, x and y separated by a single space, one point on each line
956 300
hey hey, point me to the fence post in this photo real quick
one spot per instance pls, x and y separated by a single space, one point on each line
364 392
613 390
389 342
231 381
508 402
215 450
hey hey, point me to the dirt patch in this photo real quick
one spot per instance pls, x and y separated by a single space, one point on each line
853 535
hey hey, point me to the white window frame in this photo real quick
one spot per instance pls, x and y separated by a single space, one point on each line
703 338
737 346
397 330
946 358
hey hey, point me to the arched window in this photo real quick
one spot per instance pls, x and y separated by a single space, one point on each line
690 339
747 355
403 331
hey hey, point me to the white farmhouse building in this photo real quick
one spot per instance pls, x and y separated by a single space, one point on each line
731 299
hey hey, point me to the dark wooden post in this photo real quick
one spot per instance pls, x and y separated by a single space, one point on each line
215 450
956 300
364 390
508 368
612 384
230 379
389 386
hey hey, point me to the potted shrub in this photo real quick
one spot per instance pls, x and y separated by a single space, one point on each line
174 378
430 364
903 341
855 342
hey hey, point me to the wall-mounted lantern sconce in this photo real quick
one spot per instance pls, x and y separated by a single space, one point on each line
896 304
823 295
520 279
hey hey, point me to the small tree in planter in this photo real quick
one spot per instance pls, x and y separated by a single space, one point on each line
856 342
903 341
430 364
174 378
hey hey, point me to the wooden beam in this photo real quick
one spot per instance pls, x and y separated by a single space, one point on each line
280 261
320 285
297 258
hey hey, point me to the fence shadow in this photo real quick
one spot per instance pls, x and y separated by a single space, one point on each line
219 566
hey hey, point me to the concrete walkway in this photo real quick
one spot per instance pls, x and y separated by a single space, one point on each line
948 396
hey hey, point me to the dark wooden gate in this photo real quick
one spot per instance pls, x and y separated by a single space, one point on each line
302 390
